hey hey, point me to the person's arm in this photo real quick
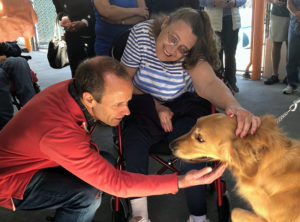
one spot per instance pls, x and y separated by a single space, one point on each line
293 10
239 3
210 87
126 21
164 113
59 8
207 3
276 2
70 148
2 58
116 14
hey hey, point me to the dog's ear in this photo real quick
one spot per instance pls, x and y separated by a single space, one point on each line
245 154
269 135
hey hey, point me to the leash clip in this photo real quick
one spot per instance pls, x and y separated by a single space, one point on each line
292 108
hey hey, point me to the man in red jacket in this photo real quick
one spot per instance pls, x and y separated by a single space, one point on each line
47 158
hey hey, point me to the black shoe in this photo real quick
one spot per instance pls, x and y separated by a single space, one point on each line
234 88
273 79
246 75
285 81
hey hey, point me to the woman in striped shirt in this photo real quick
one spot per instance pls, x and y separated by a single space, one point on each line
172 61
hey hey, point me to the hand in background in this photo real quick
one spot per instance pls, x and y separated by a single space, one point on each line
65 21
165 116
297 15
230 4
143 12
278 2
221 3
76 26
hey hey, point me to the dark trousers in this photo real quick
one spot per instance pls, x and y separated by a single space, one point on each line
229 40
79 48
138 136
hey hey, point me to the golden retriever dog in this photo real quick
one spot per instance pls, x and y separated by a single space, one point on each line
266 165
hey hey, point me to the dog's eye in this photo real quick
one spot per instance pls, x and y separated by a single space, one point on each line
198 137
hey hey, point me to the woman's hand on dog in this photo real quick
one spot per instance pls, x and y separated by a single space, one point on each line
206 175
246 121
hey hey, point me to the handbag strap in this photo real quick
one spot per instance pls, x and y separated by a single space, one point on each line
57 33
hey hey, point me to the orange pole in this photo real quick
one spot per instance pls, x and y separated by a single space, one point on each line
251 44
28 44
258 32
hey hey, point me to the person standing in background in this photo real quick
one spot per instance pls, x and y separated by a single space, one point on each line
280 19
113 17
293 65
226 22
78 20
167 6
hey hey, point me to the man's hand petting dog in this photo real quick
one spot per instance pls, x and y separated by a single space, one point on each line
206 175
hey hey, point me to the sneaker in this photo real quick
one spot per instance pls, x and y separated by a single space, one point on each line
139 219
273 79
289 89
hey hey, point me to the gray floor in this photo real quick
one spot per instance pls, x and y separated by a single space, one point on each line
254 95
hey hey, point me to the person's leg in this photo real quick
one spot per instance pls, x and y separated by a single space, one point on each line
18 71
195 196
136 144
276 52
56 188
230 40
75 49
292 68
6 107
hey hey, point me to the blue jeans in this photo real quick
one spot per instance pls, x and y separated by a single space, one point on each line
15 69
293 65
57 188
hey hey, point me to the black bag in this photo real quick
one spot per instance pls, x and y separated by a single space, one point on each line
57 50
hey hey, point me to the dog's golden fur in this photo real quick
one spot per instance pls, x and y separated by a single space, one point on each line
266 165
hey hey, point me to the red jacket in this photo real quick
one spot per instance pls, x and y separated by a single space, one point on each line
48 132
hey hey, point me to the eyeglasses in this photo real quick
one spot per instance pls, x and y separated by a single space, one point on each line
173 41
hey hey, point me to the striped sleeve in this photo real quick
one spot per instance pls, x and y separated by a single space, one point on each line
132 54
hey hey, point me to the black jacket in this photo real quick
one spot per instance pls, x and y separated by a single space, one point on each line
77 10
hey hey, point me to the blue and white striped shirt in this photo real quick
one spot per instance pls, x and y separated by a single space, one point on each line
164 81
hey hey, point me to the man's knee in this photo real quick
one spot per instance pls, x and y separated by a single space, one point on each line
16 60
